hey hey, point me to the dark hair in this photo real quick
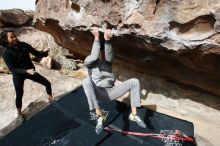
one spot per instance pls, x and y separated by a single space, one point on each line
3 37
102 40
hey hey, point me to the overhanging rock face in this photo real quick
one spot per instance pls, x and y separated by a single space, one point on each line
177 40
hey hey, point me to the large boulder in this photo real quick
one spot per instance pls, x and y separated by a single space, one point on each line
177 40
172 46
13 17
64 62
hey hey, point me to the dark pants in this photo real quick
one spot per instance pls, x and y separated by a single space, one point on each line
18 81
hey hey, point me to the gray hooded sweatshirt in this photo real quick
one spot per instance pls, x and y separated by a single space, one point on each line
100 71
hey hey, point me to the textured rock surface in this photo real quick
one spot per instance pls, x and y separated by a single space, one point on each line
39 40
63 62
177 40
13 17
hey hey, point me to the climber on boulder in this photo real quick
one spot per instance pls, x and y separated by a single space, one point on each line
101 81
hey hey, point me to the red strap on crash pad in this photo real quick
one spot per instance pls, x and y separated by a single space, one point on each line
177 135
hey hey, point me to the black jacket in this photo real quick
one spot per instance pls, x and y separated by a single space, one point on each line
17 58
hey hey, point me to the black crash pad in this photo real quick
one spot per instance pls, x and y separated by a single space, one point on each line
67 123
76 104
49 127
157 123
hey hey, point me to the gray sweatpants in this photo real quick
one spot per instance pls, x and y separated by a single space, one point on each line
94 93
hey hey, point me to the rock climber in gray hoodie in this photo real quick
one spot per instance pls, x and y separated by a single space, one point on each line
100 83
